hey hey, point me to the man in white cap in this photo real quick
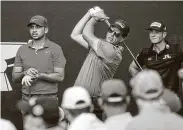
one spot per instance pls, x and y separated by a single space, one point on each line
78 106
154 113
114 101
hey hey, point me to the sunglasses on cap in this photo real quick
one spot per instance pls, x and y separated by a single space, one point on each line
111 30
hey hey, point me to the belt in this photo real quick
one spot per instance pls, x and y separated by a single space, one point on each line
46 94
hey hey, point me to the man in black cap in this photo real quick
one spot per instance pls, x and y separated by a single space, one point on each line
161 56
104 55
39 65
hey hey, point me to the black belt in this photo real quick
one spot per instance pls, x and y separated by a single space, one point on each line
46 94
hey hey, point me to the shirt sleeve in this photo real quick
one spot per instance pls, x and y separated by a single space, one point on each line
59 58
106 50
18 60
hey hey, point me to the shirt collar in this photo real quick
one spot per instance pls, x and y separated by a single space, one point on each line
167 46
46 44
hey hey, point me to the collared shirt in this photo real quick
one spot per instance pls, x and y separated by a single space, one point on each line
87 121
156 118
118 122
44 60
99 66
167 63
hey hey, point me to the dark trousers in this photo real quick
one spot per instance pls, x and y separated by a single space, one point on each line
26 97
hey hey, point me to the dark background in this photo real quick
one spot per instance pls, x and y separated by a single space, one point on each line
62 16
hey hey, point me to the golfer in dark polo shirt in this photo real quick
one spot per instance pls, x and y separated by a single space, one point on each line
161 56
39 65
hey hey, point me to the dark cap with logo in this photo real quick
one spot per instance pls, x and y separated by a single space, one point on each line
39 20
158 26
122 26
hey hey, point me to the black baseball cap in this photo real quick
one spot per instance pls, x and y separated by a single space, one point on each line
122 26
158 26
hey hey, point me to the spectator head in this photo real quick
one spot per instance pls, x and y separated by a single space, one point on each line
114 95
40 110
75 101
157 32
148 86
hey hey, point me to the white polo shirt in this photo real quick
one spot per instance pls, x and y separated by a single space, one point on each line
118 122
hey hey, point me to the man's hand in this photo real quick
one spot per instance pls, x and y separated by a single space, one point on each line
94 10
100 16
180 73
31 72
27 80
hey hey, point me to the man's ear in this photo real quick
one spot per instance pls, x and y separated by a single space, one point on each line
46 30
164 34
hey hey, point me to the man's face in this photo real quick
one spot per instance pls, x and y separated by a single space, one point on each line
37 32
156 36
113 35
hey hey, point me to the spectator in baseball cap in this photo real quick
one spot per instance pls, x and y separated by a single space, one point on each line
158 26
78 106
152 88
41 112
114 101
148 89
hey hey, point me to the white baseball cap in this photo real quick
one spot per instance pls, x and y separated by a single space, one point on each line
147 84
76 97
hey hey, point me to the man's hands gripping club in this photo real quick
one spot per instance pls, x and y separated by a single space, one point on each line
98 14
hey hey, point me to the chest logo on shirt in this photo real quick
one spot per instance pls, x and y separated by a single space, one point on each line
149 58
167 56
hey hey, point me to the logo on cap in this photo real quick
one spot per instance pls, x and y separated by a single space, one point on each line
33 20
120 24
156 24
